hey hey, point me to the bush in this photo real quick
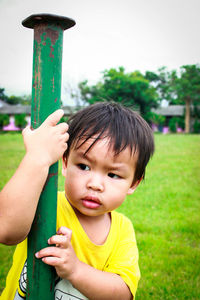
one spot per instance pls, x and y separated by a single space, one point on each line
20 121
4 120
154 118
196 126
176 122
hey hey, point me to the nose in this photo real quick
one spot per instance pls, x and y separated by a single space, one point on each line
95 182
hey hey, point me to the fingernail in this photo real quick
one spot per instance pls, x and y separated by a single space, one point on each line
36 254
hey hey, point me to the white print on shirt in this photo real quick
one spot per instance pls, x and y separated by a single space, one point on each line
65 291
22 283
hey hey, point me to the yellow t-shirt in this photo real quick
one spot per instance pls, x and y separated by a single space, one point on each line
119 254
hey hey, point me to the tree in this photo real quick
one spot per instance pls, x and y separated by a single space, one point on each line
13 100
179 88
130 89
23 100
163 82
187 88
3 96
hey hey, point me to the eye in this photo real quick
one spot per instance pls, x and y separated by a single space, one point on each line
83 167
112 175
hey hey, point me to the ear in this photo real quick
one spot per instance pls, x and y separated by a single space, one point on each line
64 166
133 187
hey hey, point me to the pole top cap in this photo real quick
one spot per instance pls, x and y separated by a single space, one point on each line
63 22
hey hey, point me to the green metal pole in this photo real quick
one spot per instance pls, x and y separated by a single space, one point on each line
46 94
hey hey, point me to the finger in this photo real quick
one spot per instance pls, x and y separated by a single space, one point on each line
26 130
51 261
54 118
62 127
65 137
49 251
65 231
59 240
64 146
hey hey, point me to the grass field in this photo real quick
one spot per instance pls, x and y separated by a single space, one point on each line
165 211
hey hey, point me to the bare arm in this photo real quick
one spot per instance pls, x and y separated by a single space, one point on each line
93 283
19 198
99 285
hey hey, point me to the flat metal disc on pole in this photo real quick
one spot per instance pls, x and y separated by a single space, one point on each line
63 22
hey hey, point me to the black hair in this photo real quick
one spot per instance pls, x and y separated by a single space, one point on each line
124 128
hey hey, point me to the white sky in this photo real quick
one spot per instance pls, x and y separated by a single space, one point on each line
137 34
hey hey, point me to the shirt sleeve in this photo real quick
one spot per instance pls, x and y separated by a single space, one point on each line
124 259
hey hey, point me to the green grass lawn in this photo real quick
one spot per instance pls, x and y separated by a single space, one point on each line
165 211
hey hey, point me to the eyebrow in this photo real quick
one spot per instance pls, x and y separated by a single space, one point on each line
112 167
84 155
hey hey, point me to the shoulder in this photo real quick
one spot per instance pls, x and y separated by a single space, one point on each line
64 211
62 203
122 225
60 197
121 219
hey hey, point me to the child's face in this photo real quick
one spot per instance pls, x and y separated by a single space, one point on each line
98 182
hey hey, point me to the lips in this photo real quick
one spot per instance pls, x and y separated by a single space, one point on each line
91 202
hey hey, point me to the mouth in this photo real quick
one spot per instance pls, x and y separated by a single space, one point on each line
91 202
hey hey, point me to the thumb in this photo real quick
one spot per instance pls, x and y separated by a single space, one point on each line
27 130
54 118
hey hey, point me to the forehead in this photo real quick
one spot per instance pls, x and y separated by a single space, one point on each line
104 148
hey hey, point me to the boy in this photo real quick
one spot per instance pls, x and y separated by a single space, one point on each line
94 250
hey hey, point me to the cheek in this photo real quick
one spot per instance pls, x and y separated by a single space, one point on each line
115 202
123 190
73 182
71 190
117 195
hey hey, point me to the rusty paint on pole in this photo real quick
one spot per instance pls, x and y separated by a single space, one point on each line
46 98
